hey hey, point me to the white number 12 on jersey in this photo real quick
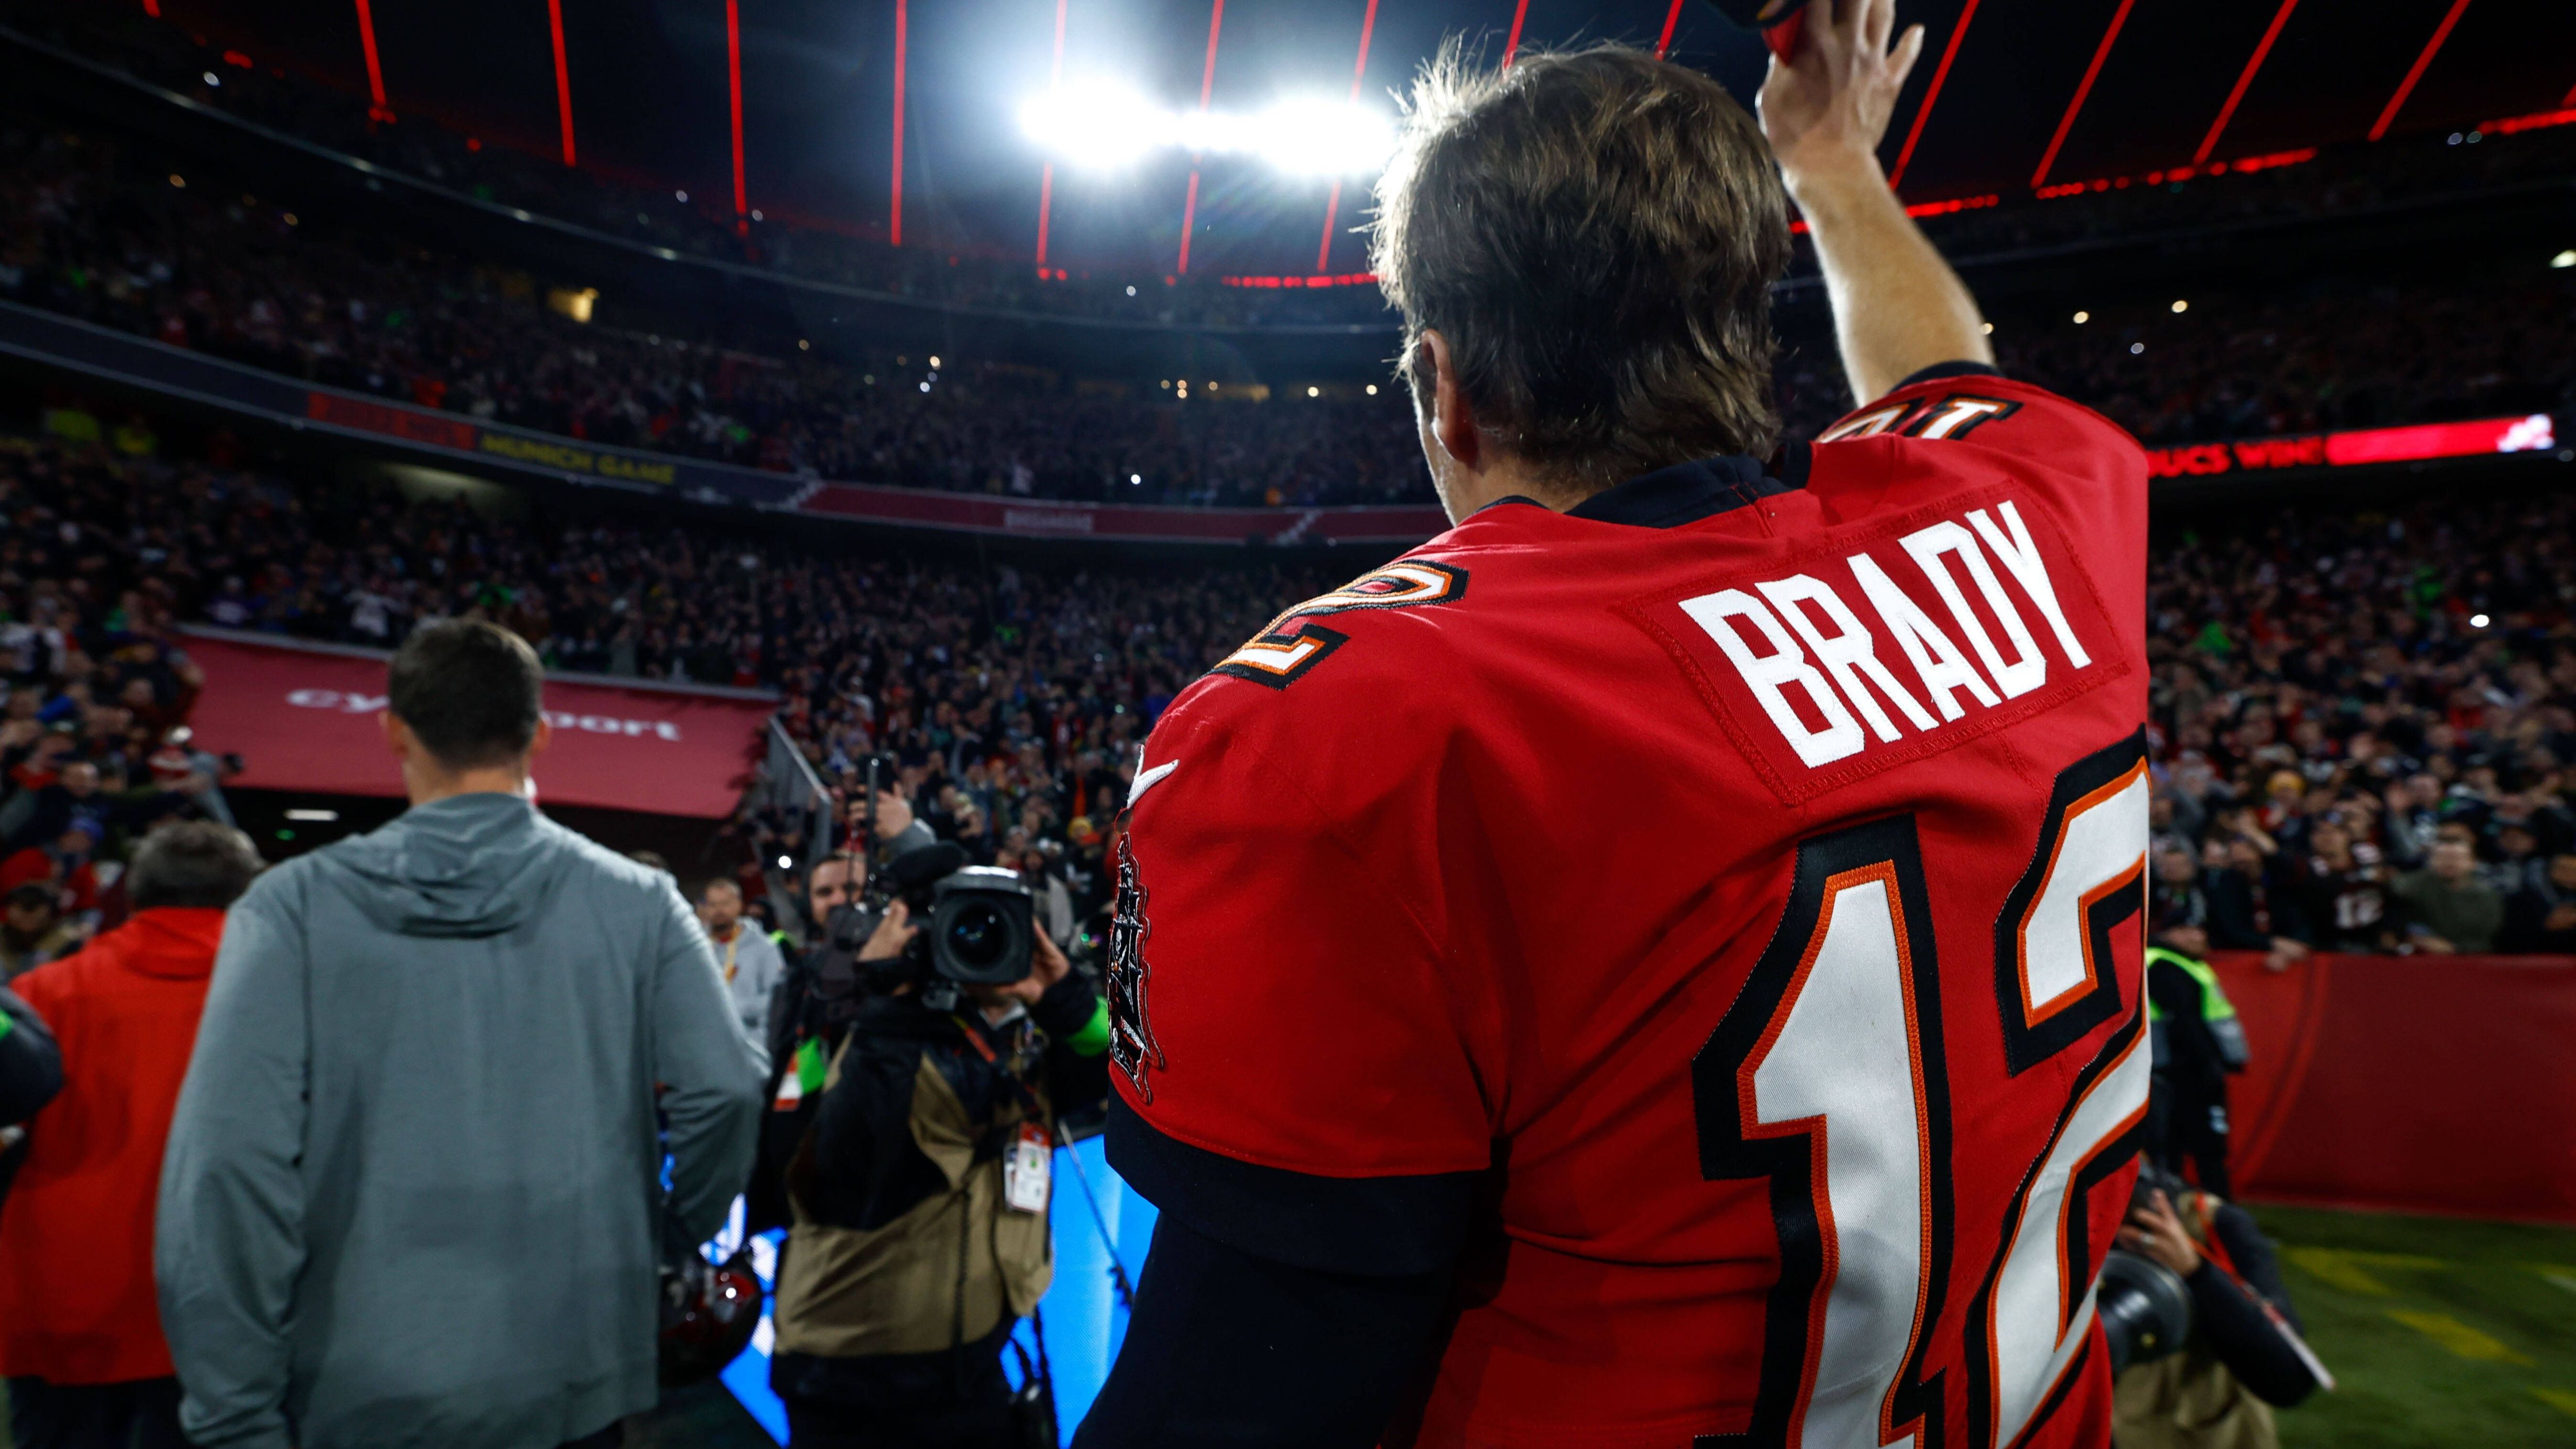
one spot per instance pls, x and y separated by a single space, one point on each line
1827 1076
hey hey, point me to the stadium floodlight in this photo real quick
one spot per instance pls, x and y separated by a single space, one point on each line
1312 137
1096 125
1099 125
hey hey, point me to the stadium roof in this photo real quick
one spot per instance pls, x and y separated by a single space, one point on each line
791 105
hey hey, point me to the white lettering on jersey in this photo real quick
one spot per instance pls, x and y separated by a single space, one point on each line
1867 425
1847 655
2024 674
2022 557
1769 675
1945 670
1815 626
1957 414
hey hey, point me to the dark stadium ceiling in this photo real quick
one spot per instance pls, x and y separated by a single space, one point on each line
650 99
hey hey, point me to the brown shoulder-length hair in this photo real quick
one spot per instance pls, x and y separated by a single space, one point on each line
1595 233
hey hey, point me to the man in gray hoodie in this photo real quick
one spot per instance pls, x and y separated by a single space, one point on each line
413 1192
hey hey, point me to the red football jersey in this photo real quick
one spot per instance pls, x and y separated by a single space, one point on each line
1746 872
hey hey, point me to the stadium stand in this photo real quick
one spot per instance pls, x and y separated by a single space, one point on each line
99 233
1026 688
106 233
2390 671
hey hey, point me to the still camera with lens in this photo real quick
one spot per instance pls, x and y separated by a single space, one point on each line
978 928
2145 1307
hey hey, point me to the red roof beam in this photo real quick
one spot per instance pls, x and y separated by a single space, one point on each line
2092 73
2415 72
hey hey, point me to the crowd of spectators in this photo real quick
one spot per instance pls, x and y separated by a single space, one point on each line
91 231
2364 727
86 229
95 747
2364 722
2334 351
1014 699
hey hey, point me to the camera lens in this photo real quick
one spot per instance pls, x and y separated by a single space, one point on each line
2145 1309
977 936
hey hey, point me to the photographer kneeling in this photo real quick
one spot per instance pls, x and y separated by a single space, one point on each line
2241 1355
919 1191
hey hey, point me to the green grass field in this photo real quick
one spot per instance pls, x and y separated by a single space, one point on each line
2439 1333
2442 1335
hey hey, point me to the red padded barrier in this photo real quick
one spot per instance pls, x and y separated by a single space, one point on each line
2436 1084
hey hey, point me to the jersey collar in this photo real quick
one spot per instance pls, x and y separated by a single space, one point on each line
1689 492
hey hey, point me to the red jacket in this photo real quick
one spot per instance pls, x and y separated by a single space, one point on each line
76 1293
34 864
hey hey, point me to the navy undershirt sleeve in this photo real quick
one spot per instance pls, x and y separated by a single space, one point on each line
1226 1348
1277 1308
1391 1225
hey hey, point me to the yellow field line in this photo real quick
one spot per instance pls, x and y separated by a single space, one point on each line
2458 1337
2348 1270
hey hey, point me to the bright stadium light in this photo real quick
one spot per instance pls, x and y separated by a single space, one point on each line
1096 125
1100 125
1311 137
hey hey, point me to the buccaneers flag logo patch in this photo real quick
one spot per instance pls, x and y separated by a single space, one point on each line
1131 1033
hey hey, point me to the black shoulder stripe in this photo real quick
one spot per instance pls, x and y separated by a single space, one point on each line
1370 1225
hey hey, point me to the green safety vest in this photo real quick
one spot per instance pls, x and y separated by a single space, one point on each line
2216 1011
2214 1005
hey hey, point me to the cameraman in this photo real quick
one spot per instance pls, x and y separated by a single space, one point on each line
919 1193
2243 1356
805 1024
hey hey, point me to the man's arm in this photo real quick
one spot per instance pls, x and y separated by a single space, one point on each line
1898 307
710 1070
228 1240
31 1068
1227 1347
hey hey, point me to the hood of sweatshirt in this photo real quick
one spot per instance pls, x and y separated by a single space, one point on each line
468 865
